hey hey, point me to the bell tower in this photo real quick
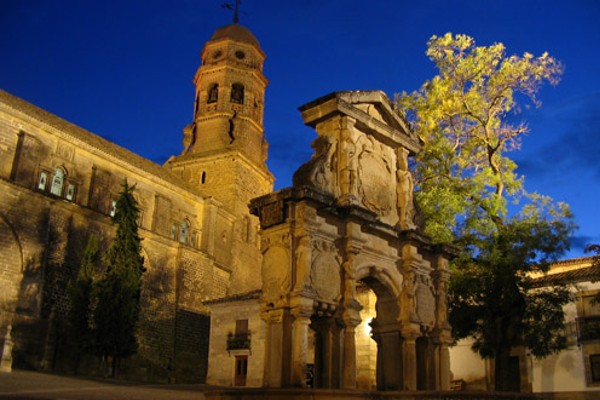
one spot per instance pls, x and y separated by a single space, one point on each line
225 150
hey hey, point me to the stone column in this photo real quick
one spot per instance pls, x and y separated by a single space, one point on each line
300 345
389 365
409 360
444 367
336 355
349 366
350 315
324 352
274 347
441 277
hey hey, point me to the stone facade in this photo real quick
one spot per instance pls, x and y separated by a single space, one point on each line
58 184
329 283
353 295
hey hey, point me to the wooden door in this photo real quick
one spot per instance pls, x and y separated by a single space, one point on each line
241 370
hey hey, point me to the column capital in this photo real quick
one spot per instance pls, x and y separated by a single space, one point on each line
410 333
351 314
273 316
302 308
302 314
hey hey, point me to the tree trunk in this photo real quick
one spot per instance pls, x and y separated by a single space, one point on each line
502 369
114 366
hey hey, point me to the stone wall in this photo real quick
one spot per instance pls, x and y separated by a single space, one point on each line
43 234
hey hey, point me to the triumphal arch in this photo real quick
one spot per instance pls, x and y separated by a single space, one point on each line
350 222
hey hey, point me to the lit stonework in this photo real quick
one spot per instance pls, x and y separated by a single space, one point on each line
59 183
353 295
224 147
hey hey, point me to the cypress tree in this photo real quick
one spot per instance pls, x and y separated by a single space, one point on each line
80 294
118 292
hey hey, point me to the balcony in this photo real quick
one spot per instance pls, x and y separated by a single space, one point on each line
238 341
588 329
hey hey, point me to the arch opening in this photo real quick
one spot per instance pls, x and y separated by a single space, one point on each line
383 354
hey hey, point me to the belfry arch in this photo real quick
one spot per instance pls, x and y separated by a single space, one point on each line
348 223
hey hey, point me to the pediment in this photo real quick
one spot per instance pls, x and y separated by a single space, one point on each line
372 110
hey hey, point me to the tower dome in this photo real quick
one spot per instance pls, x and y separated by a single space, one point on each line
237 33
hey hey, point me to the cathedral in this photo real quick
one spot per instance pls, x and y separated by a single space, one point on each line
59 184
329 283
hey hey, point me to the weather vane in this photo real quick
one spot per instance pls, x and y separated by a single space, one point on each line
235 6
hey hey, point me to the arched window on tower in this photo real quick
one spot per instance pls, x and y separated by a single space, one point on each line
184 231
237 93
58 181
213 93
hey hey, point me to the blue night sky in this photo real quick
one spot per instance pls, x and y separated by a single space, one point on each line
123 69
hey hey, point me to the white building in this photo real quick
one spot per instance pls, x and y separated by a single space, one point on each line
574 373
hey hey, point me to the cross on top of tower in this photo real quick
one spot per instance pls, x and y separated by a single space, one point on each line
235 6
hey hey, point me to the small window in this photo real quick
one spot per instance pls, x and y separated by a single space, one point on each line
595 367
183 232
43 180
237 93
57 182
70 191
113 208
203 179
241 327
213 94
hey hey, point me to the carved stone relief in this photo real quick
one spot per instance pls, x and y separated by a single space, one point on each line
272 214
325 271
405 189
350 149
276 273
65 151
425 301
376 177
319 170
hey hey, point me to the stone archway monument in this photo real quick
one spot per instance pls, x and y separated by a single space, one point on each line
350 220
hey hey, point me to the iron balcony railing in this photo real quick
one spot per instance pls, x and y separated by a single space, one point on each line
238 341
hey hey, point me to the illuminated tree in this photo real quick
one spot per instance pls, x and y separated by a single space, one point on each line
465 182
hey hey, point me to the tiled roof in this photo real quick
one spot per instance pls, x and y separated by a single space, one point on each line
93 140
589 273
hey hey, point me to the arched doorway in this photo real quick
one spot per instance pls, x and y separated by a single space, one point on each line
385 331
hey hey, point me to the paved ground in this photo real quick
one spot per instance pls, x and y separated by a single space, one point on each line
36 385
